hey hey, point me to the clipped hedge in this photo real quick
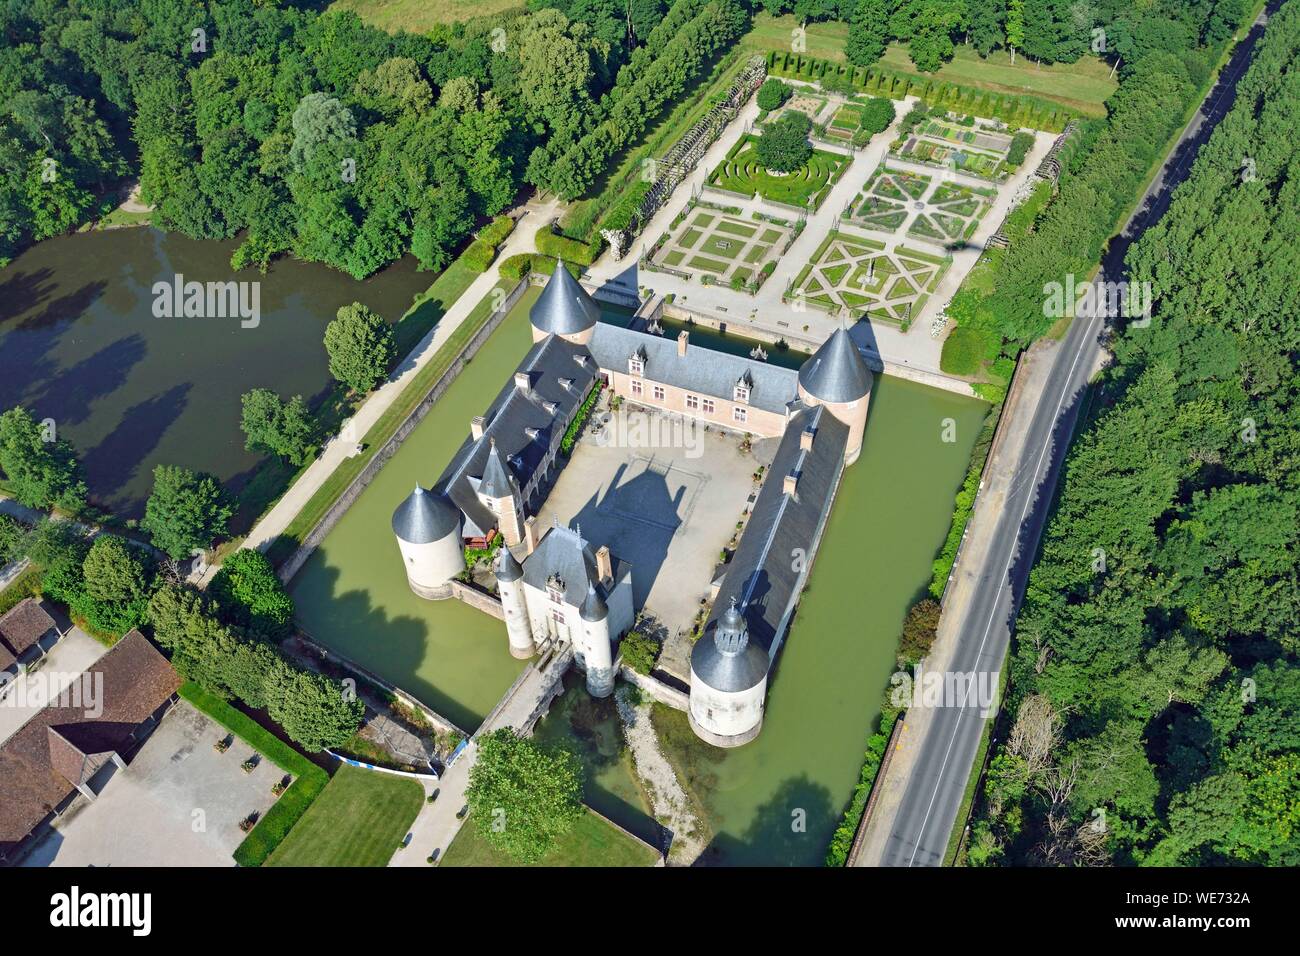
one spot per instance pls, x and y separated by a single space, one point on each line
308 779
497 231
966 349
479 255
1015 110
520 266
551 244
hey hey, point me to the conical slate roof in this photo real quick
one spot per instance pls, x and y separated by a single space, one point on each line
564 307
594 607
836 372
508 569
425 516
730 662
498 480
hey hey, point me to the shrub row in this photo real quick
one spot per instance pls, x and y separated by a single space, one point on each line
550 243
1011 109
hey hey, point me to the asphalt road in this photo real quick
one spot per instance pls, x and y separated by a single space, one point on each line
921 829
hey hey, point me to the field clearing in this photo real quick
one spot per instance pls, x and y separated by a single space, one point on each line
1083 86
593 841
416 16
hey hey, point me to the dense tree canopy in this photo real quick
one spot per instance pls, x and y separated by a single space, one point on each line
784 145
185 511
41 469
1154 679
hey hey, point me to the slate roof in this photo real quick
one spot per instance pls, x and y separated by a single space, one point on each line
508 567
701 370
594 607
497 482
761 577
425 516
564 307
24 624
525 424
60 744
836 371
730 662
565 552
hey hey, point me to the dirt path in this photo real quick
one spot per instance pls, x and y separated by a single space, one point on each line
668 800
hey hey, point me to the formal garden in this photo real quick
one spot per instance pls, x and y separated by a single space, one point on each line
745 172
713 246
963 143
868 279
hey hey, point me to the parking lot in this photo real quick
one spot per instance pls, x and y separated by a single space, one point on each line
178 803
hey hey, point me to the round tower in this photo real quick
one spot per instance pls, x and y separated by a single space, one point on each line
597 654
728 683
427 526
836 376
564 308
510 585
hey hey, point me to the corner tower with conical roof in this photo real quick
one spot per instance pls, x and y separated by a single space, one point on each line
428 530
836 376
564 308
728 683
514 604
499 489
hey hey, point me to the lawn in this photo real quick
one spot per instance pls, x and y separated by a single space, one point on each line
359 819
593 841
417 16
1083 86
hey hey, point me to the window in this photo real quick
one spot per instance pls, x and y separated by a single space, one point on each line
693 402
636 386
659 393
740 414
708 406
635 365
742 393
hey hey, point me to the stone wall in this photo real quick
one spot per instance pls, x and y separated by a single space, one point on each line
323 527
477 598
657 689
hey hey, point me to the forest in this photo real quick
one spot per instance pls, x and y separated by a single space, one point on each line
314 134
1154 705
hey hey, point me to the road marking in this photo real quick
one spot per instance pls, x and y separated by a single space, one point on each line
925 822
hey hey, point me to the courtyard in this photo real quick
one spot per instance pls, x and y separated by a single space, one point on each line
666 497
178 803
723 247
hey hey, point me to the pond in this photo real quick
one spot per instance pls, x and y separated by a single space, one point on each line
80 344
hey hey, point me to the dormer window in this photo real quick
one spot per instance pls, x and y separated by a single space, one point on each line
532 433
550 407
742 393
555 588
636 365
566 384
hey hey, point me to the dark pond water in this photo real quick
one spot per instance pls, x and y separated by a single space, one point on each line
79 343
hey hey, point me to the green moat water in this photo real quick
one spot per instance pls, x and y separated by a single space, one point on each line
890 518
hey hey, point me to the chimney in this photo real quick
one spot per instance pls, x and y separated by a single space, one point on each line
530 533
604 567
791 482
522 381
681 342
806 438
476 426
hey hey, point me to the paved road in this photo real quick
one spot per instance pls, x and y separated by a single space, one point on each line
919 832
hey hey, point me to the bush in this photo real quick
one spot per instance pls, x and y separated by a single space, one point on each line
497 231
773 94
516 267
639 652
479 255
555 246
248 593
965 350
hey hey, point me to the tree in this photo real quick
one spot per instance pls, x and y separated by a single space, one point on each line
314 710
249 593
13 539
43 471
59 548
868 33
117 578
360 346
281 428
784 145
877 114
1015 26
773 94
639 652
931 42
320 119
986 25
919 628
521 797
186 511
